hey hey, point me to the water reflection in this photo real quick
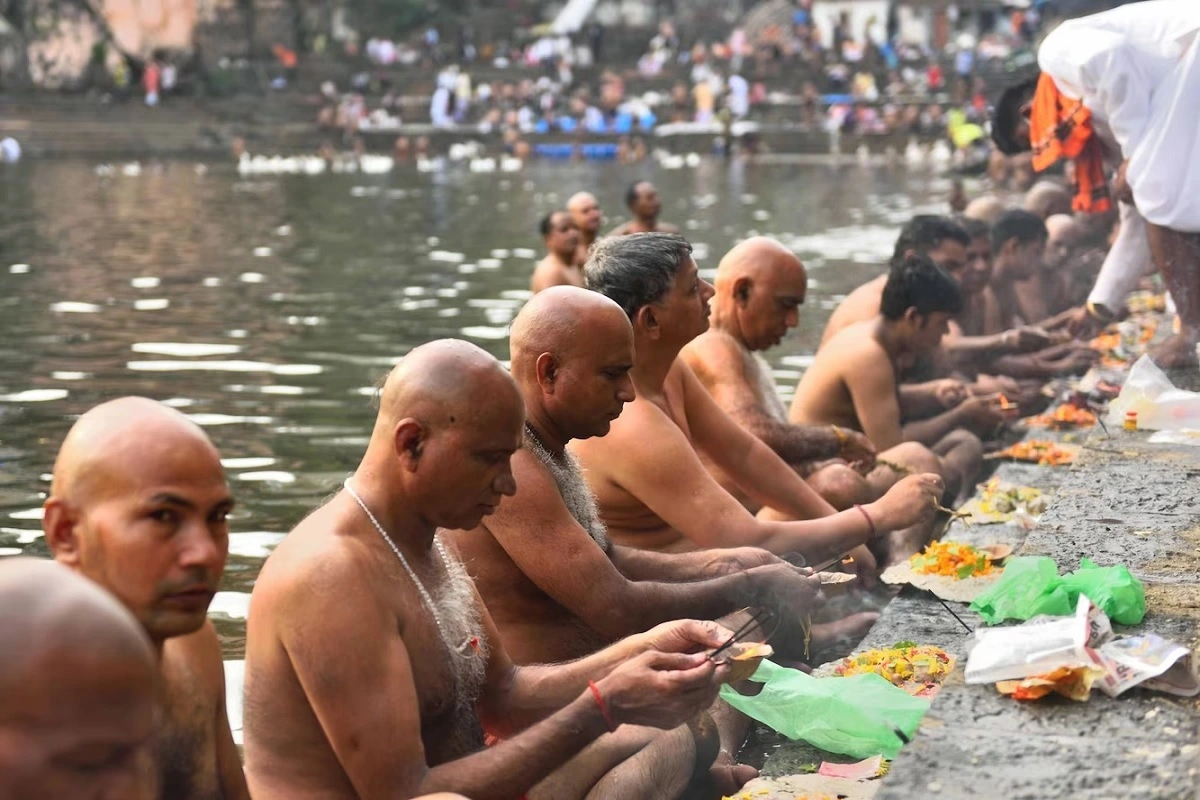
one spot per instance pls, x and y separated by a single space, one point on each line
278 303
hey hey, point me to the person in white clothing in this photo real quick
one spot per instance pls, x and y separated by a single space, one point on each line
1119 90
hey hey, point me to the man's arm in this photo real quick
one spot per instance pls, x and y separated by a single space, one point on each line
550 547
229 763
745 458
700 565
721 368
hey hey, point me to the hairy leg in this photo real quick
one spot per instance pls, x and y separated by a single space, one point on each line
904 459
577 777
961 454
662 769
841 486
1177 257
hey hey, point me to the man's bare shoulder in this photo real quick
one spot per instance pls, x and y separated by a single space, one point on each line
666 227
318 556
713 354
856 340
536 489
201 651
639 420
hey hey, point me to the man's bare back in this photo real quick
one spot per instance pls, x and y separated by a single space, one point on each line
551 271
823 396
861 304
333 553
636 226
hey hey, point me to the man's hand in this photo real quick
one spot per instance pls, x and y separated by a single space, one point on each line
1083 324
662 690
1026 339
949 392
1121 190
684 636
782 585
855 449
912 500
1080 360
996 384
982 415
865 566
732 560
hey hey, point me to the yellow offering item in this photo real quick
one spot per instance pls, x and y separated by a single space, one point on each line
952 560
903 666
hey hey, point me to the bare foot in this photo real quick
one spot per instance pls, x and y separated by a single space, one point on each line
727 777
1177 352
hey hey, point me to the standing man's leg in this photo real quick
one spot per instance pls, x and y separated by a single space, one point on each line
1177 257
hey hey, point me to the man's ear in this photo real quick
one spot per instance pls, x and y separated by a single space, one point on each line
409 438
741 290
59 523
546 369
647 320
913 317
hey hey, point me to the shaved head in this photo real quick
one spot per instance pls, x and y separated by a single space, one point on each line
1047 199
78 678
138 503
580 200
760 286
986 209
450 418
1065 234
572 350
585 210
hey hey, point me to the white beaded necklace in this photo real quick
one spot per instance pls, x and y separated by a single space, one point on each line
404 563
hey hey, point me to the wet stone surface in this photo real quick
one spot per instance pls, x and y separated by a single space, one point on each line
1124 501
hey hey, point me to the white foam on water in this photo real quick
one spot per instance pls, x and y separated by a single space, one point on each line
262 252
416 305
211 282
414 291
10 551
228 419
252 277
499 316
446 256
449 312
72 307
34 396
268 476
148 282
494 302
29 513
238 334
179 402
499 253
18 269
235 605
24 535
283 389
490 263
804 362
447 292
524 252
225 366
485 333
185 349
65 375
462 286
250 462
151 304
519 295
467 269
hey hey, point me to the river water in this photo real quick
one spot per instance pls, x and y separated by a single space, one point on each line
268 308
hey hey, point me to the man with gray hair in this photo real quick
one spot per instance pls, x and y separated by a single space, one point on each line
651 486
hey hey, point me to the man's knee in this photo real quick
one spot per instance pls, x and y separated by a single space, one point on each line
962 443
914 455
841 486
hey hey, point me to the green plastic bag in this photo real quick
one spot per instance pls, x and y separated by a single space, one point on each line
1029 586
1032 586
856 716
1113 589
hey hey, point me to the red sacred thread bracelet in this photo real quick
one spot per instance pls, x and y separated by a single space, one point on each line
608 720
867 517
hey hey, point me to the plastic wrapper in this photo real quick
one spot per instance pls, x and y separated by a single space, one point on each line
1031 586
857 716
1159 405
1147 660
1038 647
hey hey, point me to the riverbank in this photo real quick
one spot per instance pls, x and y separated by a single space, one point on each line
1123 501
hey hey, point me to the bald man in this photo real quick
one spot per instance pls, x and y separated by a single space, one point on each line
986 209
556 587
585 210
1045 294
561 237
644 204
77 674
372 666
139 504
653 491
1046 199
759 289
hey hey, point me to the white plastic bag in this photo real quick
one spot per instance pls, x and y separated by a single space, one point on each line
1159 405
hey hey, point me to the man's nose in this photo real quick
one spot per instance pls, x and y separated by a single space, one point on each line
625 391
202 549
505 483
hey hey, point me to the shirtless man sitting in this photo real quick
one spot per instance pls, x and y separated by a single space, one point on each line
558 268
1047 293
138 504
77 675
372 667
645 205
585 210
653 491
853 380
555 586
1018 245
759 288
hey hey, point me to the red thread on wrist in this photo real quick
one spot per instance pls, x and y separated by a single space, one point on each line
867 517
608 720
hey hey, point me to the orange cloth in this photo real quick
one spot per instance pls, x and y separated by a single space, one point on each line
1060 127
